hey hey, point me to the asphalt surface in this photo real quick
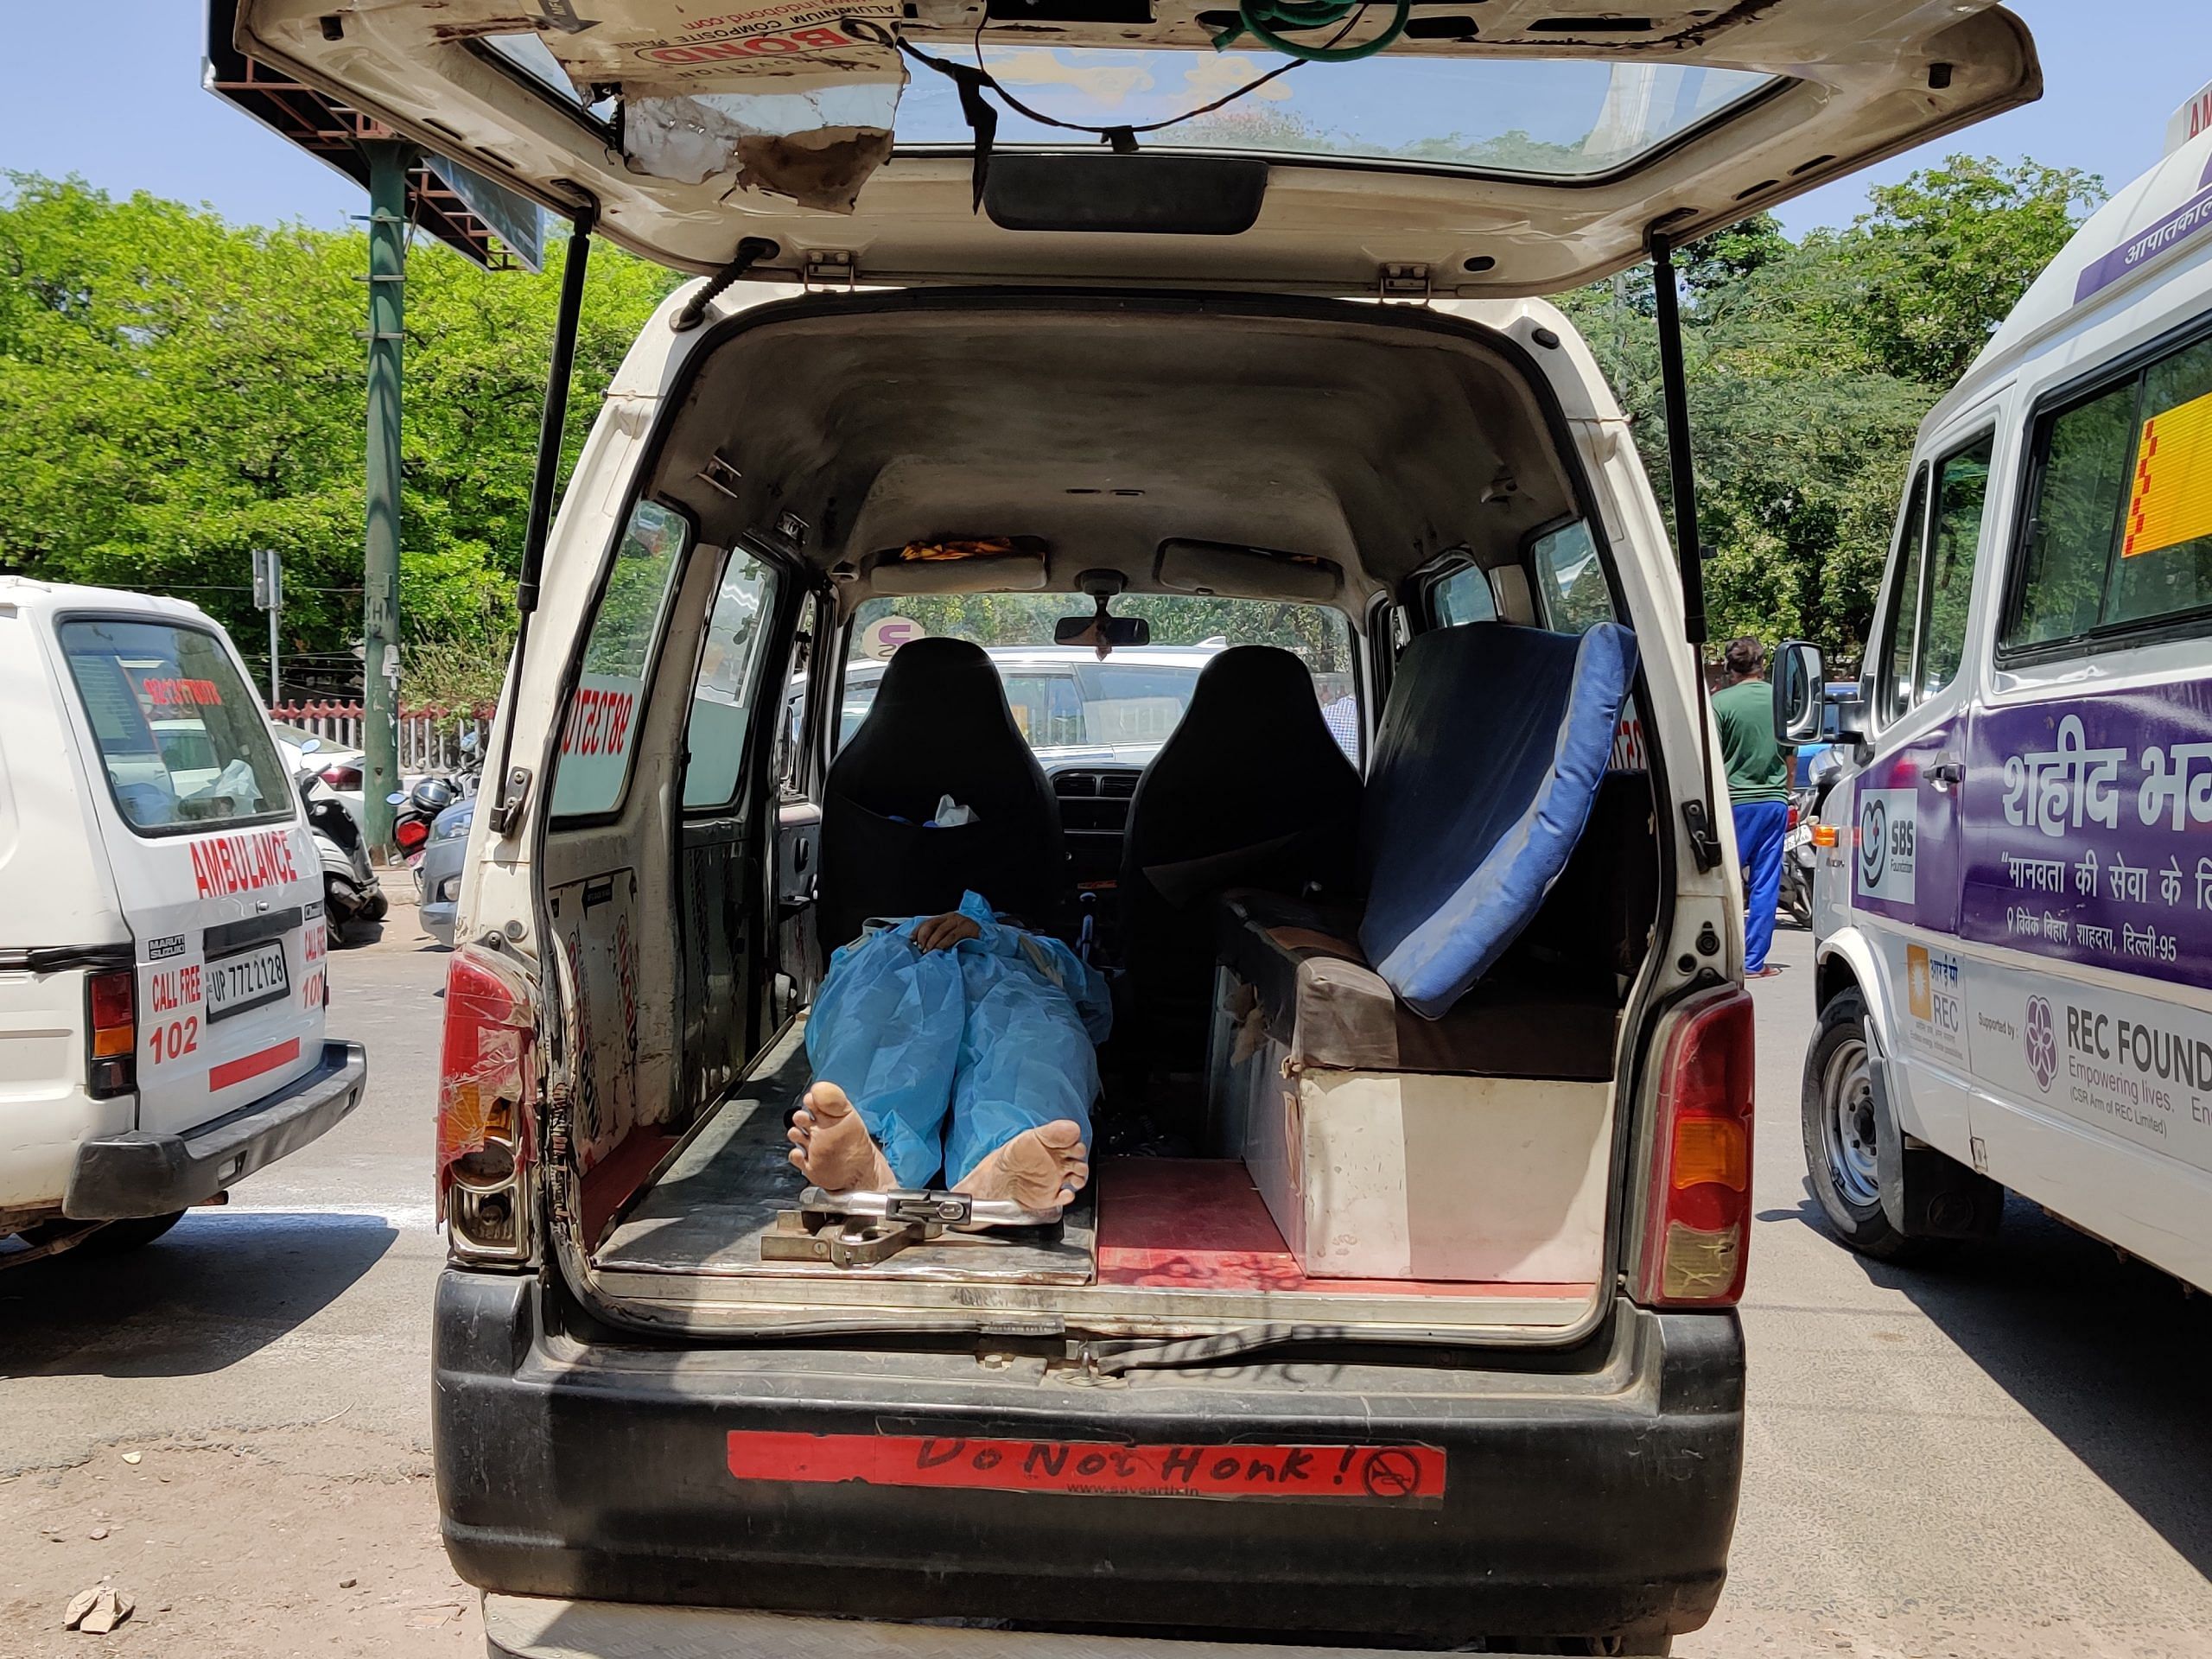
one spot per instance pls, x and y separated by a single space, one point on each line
2010 1455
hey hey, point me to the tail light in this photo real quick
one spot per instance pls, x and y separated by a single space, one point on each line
487 1085
1791 822
342 777
112 1038
411 833
1697 1213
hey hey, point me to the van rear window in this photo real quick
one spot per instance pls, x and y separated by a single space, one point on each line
181 736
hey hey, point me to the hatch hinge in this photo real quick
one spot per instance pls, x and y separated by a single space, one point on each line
1402 284
1705 845
513 792
828 268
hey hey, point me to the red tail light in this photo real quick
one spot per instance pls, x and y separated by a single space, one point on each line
487 1085
111 1033
342 777
1788 823
411 833
1697 1215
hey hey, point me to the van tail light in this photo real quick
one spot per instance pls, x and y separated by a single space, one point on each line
1697 1212
1824 835
487 1084
111 1033
411 833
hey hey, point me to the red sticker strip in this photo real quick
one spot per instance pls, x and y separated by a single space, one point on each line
251 1066
1371 1474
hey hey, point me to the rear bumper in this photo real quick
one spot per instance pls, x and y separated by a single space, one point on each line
1595 1497
119 1176
529 1627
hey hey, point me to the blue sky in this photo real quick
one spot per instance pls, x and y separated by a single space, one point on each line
132 115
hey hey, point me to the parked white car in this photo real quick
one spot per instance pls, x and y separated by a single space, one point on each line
161 930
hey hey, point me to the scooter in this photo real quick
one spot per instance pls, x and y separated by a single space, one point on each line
350 890
418 808
1798 859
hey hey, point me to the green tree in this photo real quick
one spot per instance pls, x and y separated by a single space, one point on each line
1809 366
176 391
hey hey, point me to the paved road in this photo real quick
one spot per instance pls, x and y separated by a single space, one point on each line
2011 1457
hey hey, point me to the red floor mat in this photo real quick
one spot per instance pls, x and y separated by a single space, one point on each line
1199 1224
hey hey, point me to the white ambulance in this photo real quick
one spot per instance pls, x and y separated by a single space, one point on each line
2015 919
162 934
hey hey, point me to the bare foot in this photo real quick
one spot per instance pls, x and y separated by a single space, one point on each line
831 1147
1039 1169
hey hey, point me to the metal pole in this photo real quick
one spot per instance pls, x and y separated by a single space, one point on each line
388 163
1675 393
274 699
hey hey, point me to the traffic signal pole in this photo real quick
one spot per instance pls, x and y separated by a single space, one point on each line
388 163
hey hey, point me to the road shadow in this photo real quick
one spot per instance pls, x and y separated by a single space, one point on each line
215 1289
2110 1355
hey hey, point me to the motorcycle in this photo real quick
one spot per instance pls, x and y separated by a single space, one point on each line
350 890
419 807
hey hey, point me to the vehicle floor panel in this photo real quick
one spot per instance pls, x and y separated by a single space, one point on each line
710 1208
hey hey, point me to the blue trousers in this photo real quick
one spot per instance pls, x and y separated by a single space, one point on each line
947 1055
1761 828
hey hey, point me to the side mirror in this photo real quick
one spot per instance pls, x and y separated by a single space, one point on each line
397 797
468 742
1800 687
310 744
1108 633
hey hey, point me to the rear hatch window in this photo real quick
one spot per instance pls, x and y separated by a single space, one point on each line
184 744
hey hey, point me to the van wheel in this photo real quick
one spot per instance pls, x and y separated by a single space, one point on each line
1843 1125
120 1236
112 1239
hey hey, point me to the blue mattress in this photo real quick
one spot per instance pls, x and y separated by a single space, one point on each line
1493 744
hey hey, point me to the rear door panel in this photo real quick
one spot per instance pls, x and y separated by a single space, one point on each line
1502 213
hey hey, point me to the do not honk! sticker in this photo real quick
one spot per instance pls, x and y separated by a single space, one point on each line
1371 1474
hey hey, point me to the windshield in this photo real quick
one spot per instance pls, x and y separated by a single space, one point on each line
1065 700
1556 117
183 740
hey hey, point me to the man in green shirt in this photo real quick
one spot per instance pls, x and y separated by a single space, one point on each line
1758 789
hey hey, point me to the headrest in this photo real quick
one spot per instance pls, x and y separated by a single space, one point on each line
945 679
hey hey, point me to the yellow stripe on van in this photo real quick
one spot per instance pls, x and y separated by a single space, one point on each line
2172 499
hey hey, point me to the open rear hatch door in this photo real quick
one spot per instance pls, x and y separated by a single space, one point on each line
1492 147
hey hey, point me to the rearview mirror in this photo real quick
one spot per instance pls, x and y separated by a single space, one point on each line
310 744
1799 683
1108 633
468 742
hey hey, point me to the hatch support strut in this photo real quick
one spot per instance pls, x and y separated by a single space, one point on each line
513 784
1673 391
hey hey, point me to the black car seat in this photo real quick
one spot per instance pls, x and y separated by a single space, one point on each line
1250 791
939 725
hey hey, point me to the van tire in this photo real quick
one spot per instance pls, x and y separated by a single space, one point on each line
1843 1121
118 1237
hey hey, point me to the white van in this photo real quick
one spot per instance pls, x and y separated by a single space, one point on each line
161 934
2015 921
1402 1305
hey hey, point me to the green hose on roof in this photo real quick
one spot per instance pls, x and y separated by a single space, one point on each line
1261 18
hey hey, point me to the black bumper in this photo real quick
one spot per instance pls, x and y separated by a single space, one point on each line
1588 1494
120 1176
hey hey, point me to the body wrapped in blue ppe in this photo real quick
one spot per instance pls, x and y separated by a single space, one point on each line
949 1054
